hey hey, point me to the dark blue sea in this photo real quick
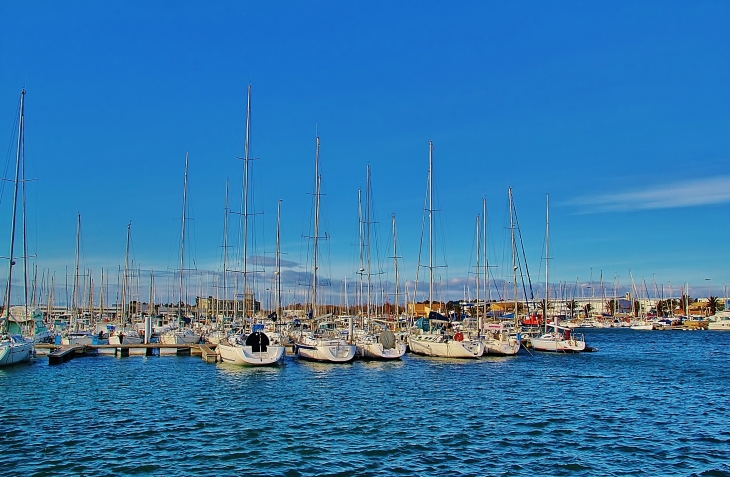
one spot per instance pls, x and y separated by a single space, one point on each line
647 403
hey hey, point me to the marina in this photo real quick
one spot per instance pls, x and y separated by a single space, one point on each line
479 239
636 407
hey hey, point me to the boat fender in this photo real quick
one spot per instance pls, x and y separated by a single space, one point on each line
459 336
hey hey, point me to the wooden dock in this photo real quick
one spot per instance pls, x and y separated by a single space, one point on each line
65 353
61 354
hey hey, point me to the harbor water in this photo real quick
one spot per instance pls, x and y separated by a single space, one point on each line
647 403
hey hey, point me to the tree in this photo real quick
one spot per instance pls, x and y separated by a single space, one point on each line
587 309
713 303
571 305
611 306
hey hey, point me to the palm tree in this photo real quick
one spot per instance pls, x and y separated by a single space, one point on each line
612 306
571 305
587 309
713 303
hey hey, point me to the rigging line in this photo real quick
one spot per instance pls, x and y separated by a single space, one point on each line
524 257
420 246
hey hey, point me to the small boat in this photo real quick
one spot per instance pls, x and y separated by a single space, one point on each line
560 340
179 336
383 345
324 343
14 349
257 348
719 321
643 325
125 337
499 341
445 345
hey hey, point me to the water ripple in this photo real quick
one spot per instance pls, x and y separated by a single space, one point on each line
647 403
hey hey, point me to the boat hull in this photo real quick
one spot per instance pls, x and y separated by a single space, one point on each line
558 345
179 337
245 356
340 352
15 351
445 349
377 351
501 348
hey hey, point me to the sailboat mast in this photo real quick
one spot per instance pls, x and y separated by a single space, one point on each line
478 243
514 252
547 259
484 252
367 238
124 277
225 252
316 230
74 308
395 264
11 260
182 239
101 295
278 261
430 226
245 200
361 269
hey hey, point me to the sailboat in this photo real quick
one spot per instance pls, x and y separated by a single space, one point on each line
371 343
560 339
257 348
180 335
14 348
77 334
498 338
122 333
322 343
427 339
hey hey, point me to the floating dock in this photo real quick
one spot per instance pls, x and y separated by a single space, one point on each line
61 354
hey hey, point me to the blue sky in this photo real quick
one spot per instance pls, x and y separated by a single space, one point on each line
618 110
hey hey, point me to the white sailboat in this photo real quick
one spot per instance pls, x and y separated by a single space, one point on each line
720 321
498 338
124 334
560 339
431 342
321 343
371 343
257 348
14 348
77 335
180 335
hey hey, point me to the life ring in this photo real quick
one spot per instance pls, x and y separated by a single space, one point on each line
459 336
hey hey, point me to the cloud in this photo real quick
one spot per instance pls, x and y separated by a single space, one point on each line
271 262
715 190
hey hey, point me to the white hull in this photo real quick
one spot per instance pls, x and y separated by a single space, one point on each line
723 325
244 355
15 350
550 342
127 339
501 347
376 351
435 345
328 350
179 337
644 326
81 339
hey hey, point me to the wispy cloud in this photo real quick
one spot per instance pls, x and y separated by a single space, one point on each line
691 193
271 261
